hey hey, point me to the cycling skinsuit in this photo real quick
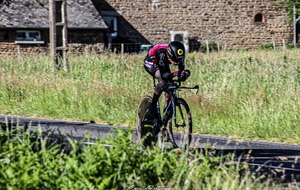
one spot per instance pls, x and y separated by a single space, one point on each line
157 59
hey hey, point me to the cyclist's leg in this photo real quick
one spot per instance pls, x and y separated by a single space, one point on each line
159 88
166 103
152 68
167 99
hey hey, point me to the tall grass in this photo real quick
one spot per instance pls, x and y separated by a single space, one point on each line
252 94
26 163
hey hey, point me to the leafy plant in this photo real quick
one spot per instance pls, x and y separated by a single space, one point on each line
265 46
121 166
288 4
212 46
291 45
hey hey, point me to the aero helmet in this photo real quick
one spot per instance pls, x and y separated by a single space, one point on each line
176 51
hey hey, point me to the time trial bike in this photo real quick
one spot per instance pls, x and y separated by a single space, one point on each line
176 120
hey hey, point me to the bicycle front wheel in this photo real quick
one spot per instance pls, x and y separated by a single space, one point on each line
180 127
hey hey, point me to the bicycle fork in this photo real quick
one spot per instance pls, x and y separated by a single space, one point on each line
167 117
175 121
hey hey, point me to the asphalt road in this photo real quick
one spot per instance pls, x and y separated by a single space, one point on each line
276 160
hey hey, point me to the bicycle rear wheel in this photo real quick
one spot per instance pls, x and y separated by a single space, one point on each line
145 127
180 128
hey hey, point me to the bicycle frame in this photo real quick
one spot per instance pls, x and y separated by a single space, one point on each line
172 89
165 128
171 103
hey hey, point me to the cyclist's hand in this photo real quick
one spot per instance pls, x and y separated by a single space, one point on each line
185 74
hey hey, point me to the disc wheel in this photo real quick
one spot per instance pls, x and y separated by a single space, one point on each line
145 127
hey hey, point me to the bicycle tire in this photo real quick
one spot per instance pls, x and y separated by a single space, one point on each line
145 131
181 135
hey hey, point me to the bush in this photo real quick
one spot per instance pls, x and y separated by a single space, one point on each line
265 46
291 45
213 46
122 166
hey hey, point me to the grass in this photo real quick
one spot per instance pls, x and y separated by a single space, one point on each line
27 163
250 94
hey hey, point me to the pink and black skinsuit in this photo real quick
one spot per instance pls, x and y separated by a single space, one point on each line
157 60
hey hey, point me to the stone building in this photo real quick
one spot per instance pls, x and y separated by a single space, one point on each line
24 27
96 24
232 23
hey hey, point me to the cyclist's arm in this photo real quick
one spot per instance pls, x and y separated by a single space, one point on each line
167 76
180 68
163 67
166 73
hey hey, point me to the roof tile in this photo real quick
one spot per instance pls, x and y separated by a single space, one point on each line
28 14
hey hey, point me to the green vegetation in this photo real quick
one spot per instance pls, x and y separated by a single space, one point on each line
251 94
212 46
265 46
26 163
288 5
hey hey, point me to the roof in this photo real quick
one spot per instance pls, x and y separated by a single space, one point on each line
28 14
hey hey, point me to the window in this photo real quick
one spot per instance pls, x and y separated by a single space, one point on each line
23 35
259 18
112 24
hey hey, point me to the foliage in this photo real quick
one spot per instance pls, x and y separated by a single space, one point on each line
122 166
288 4
265 46
292 45
248 94
270 46
212 46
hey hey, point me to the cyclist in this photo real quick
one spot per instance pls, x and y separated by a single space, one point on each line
157 64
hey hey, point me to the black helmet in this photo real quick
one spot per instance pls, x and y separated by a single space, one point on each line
176 51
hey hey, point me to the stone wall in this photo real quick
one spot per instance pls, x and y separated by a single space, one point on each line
229 22
80 41
12 49
86 48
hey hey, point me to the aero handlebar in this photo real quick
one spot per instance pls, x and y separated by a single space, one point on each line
175 87
188 87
